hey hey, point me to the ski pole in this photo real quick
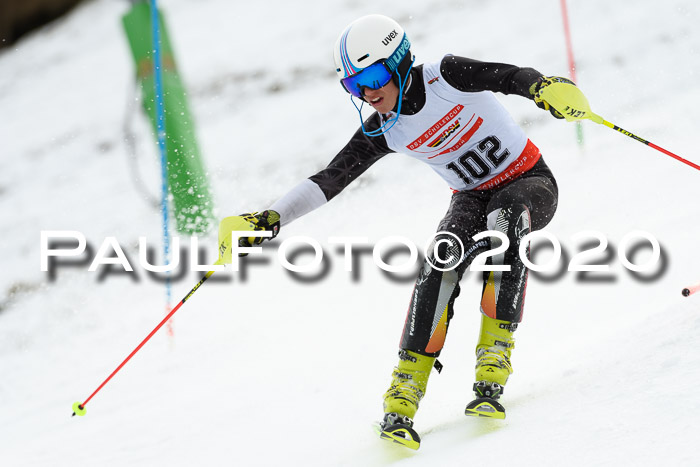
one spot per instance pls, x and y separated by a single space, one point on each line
564 96
652 145
688 291
79 408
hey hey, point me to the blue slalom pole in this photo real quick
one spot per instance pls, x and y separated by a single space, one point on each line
160 119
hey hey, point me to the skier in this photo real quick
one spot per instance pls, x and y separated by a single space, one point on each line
446 115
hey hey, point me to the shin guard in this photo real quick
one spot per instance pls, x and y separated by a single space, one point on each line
503 295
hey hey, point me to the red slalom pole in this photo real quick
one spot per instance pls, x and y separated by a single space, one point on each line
567 37
571 60
688 291
78 408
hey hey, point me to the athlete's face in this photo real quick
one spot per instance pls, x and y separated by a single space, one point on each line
383 99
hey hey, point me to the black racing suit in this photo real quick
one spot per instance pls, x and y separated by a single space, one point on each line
515 208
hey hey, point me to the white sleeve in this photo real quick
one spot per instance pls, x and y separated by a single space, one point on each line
300 200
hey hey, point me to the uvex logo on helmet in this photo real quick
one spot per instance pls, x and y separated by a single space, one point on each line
390 37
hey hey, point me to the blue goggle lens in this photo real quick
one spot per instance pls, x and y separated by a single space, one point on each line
374 77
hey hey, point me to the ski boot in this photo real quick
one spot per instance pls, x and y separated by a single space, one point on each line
408 385
492 367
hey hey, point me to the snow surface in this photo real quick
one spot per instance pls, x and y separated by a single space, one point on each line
264 369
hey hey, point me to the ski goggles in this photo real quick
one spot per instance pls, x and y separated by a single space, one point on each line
374 76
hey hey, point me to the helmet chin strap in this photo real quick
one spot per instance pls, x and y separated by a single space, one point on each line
384 128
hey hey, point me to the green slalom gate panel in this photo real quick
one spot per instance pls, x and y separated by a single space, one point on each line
187 178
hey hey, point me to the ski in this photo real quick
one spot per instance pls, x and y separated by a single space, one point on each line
485 405
400 434
397 429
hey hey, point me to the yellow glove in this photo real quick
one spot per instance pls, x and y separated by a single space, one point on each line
267 220
563 99
535 92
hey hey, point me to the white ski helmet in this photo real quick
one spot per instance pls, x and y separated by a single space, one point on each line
371 39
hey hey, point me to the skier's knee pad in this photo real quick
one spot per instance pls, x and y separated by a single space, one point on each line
514 221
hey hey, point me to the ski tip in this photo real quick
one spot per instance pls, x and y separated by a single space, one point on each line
485 407
402 435
78 409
